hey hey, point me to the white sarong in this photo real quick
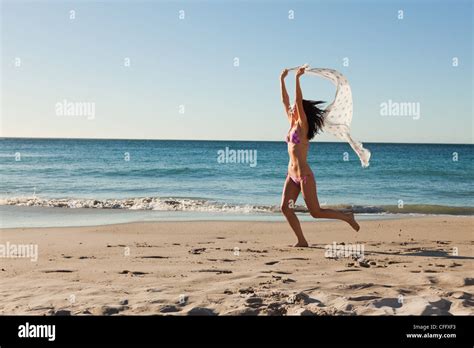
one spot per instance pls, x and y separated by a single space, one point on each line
338 115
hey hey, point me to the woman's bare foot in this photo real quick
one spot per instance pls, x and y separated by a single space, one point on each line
353 222
301 244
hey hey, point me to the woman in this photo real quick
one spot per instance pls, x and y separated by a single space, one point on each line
305 119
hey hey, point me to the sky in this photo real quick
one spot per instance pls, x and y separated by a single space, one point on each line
182 80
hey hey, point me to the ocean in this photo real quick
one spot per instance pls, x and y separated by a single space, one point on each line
58 182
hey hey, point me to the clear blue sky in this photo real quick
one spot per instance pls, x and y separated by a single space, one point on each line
190 62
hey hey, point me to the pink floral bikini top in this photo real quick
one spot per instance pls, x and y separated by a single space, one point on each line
294 137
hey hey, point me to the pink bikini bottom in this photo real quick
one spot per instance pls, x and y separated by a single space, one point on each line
297 180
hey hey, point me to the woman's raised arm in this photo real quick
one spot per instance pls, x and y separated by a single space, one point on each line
299 98
284 94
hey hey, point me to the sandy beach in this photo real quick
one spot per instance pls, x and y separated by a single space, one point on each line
414 266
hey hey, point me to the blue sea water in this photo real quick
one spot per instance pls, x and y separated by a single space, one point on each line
186 176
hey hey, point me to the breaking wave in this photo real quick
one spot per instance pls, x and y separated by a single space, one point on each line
205 205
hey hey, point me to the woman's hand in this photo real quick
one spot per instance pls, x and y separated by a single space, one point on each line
283 74
300 72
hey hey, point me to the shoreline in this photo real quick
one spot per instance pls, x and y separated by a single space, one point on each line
17 216
368 217
242 268
132 223
21 217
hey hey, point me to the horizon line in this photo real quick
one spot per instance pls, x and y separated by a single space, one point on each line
234 140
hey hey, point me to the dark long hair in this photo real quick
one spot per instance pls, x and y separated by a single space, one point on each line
314 115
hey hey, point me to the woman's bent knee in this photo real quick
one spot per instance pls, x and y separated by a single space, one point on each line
316 213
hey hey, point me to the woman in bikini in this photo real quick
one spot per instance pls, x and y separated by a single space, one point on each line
305 119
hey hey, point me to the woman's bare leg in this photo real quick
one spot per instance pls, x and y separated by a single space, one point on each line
311 198
288 199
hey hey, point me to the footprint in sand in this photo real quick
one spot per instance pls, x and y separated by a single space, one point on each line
201 311
468 281
197 251
254 302
357 286
110 310
169 309
247 311
276 308
306 299
454 264
246 290
364 298
59 312
393 262
297 258
154 290
271 263
58 271
134 273
388 302
404 291
217 271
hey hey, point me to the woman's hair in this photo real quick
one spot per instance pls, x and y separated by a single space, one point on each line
314 115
